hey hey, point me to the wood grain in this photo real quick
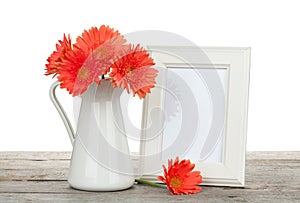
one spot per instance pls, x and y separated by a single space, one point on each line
41 177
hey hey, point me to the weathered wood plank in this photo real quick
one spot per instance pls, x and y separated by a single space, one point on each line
34 174
273 155
67 155
63 187
270 177
27 155
149 194
33 164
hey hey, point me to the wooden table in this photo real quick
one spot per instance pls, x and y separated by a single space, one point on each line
41 177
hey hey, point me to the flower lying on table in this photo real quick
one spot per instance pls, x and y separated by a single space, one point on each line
179 177
98 52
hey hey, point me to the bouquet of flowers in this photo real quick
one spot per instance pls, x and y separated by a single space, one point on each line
99 52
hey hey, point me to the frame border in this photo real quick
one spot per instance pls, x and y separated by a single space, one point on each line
231 172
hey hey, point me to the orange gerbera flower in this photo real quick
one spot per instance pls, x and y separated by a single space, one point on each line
77 72
179 177
57 56
133 71
104 44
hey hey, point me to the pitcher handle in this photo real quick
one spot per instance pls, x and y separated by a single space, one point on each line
61 111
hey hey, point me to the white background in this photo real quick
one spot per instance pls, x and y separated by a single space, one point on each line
30 29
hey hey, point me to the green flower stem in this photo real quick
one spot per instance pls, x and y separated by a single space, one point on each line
150 183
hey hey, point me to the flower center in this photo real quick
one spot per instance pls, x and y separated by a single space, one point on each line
128 69
101 52
83 73
176 182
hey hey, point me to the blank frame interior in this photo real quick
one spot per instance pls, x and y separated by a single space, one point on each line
188 92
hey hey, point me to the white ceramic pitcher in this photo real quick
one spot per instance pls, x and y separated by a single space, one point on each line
100 158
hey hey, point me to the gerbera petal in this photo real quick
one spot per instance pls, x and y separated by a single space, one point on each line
172 191
57 56
161 179
176 160
165 170
186 166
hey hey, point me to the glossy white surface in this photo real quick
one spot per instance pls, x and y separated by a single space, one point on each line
86 173
100 159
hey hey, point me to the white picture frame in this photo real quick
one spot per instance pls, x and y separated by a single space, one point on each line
235 61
